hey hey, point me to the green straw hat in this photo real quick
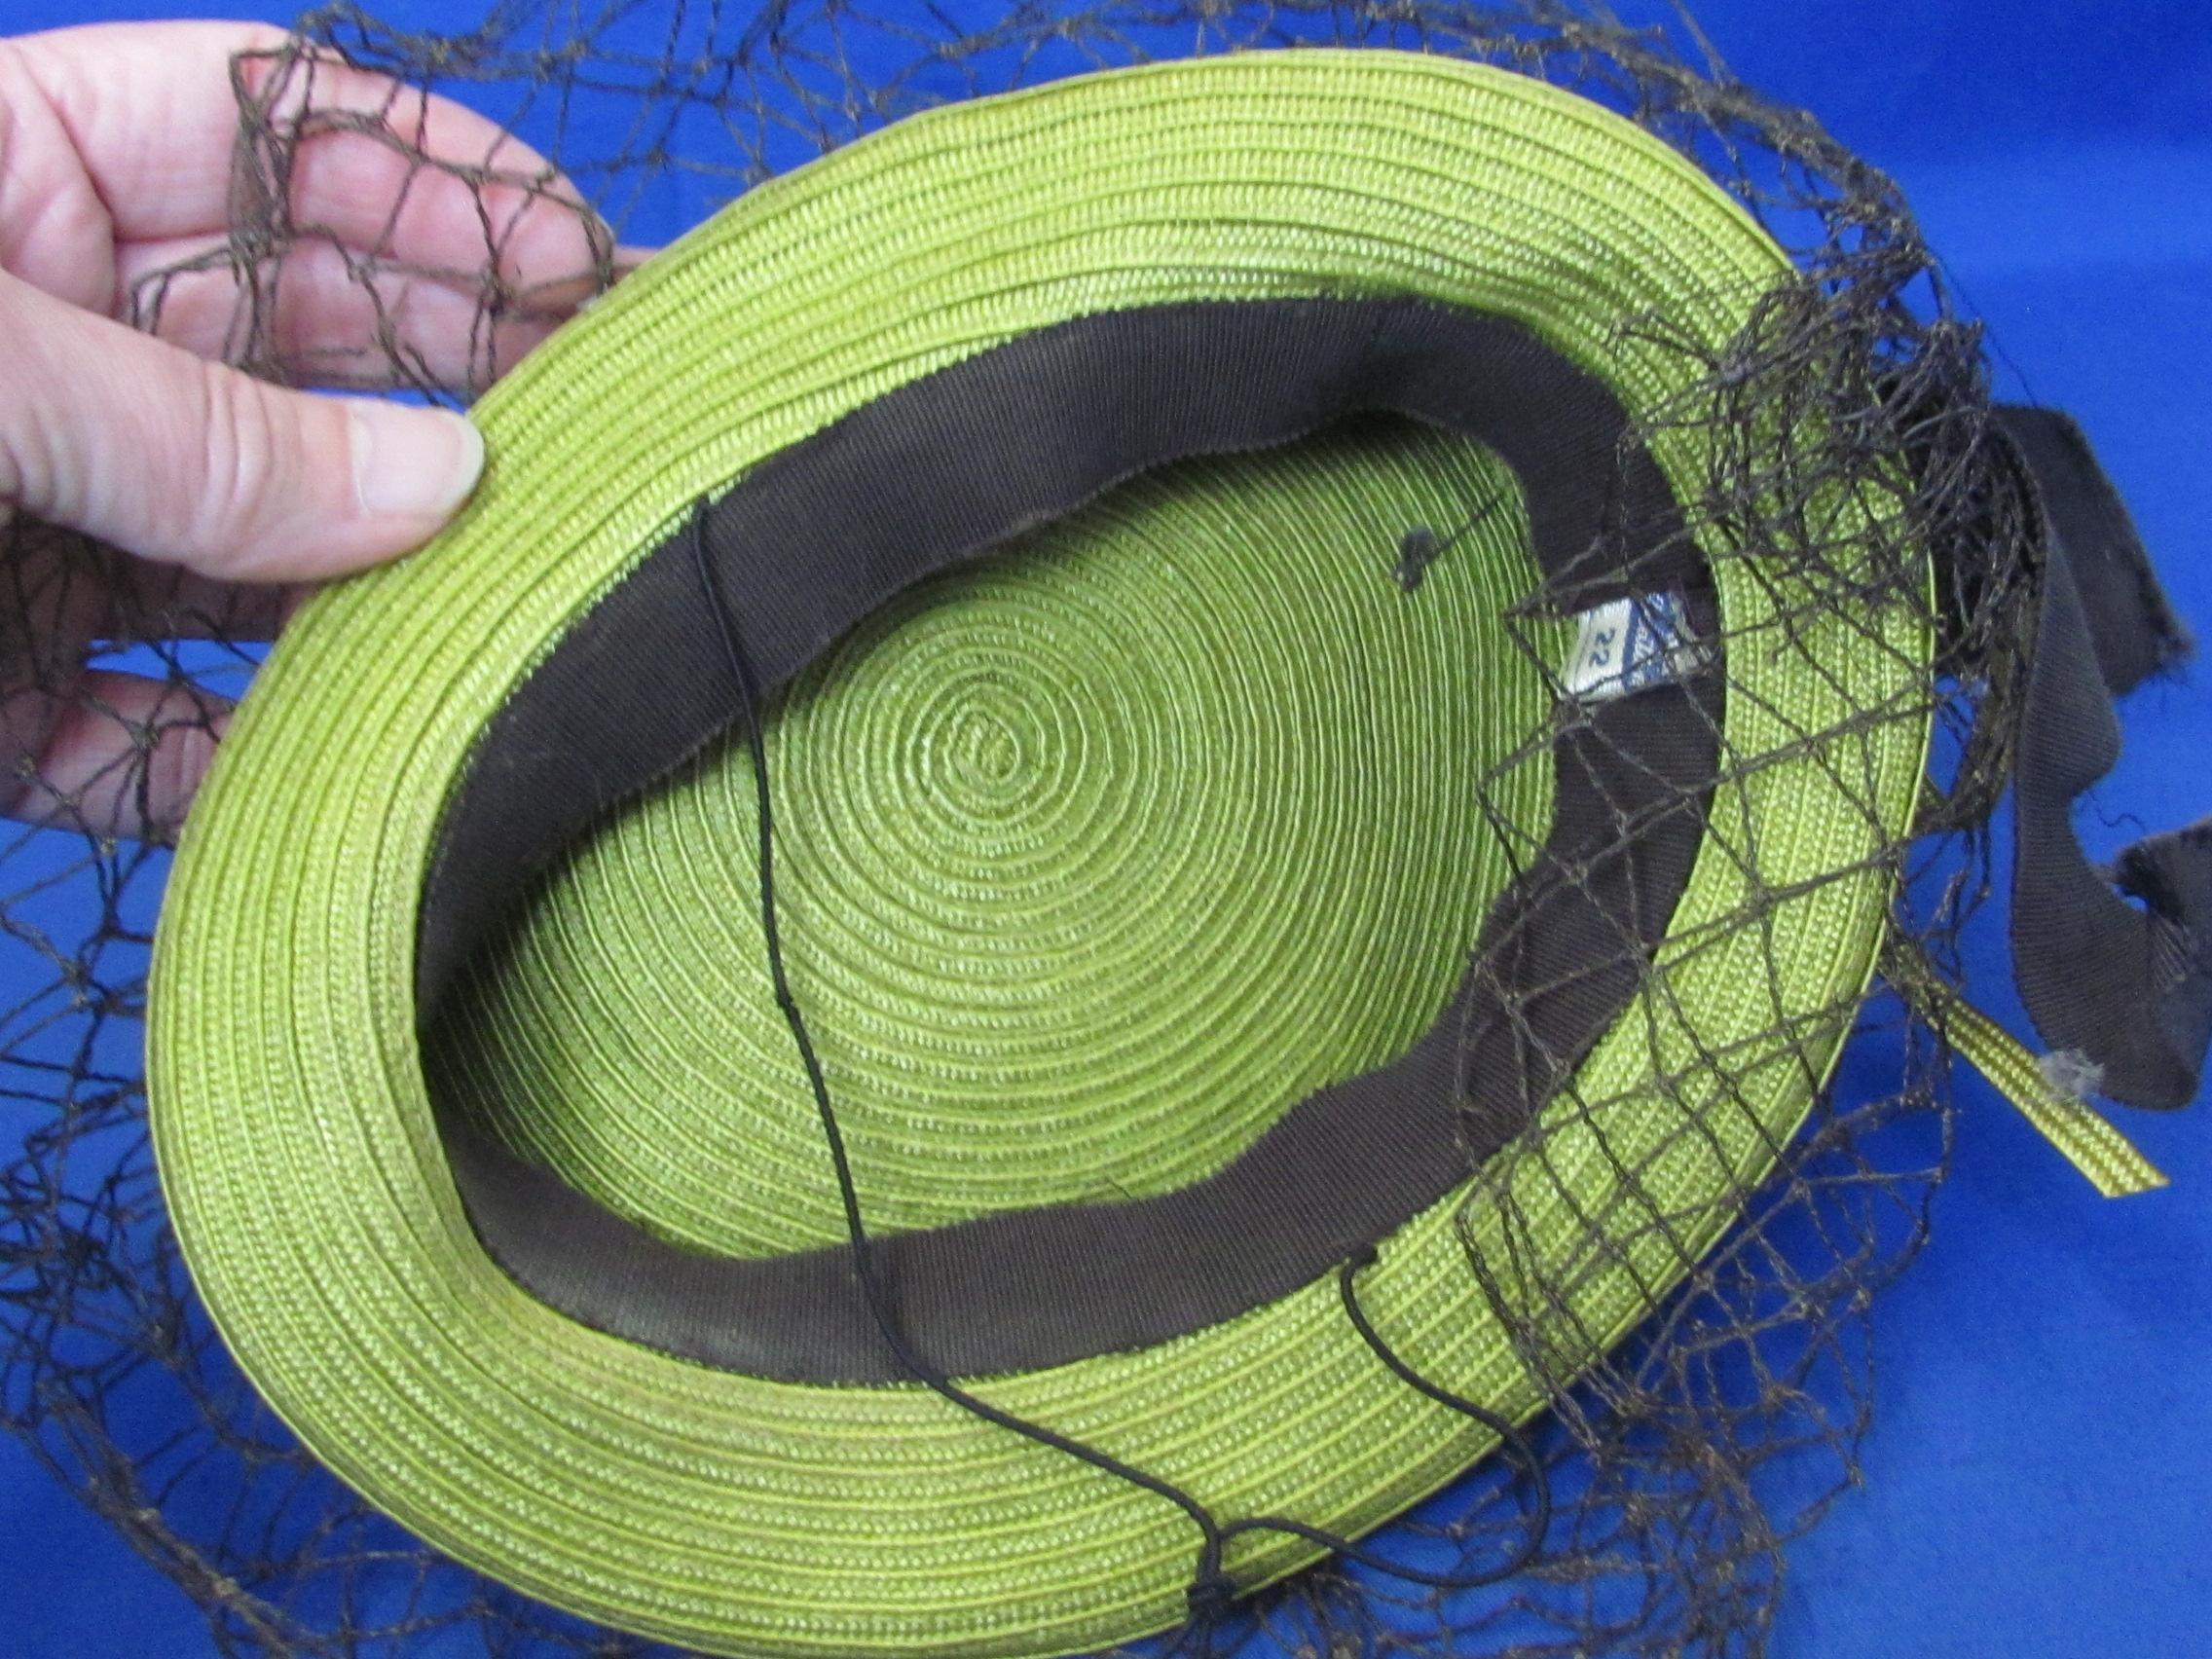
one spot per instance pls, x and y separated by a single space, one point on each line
1197 558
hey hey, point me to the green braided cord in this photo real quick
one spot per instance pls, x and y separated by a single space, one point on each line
292 1122
2075 1129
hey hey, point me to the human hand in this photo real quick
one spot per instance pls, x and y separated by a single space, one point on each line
226 496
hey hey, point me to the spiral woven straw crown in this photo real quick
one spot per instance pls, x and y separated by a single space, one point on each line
1172 614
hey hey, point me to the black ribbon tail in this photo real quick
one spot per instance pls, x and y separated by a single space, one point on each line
2171 873
2126 987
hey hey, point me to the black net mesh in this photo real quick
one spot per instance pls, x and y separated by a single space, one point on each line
1681 1463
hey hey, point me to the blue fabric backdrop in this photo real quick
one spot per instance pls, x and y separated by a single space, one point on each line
2041 1466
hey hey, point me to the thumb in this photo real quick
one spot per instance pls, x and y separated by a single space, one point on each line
175 458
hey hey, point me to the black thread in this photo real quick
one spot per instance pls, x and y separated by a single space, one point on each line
1418 549
1208 1601
863 1264
1421 547
1511 1441
1211 1590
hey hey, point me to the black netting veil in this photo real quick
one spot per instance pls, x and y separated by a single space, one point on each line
1680 1464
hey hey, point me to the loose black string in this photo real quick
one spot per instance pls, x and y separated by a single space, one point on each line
1210 1590
1421 547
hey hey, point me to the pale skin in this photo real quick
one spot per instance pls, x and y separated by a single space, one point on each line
116 148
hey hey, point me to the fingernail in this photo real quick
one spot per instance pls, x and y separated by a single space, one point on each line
419 463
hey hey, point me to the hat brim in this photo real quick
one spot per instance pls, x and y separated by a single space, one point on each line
292 1117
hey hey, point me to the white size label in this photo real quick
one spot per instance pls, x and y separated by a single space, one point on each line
1630 645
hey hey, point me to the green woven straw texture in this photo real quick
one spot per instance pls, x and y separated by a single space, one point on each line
979 891
1097 862
1677 1279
